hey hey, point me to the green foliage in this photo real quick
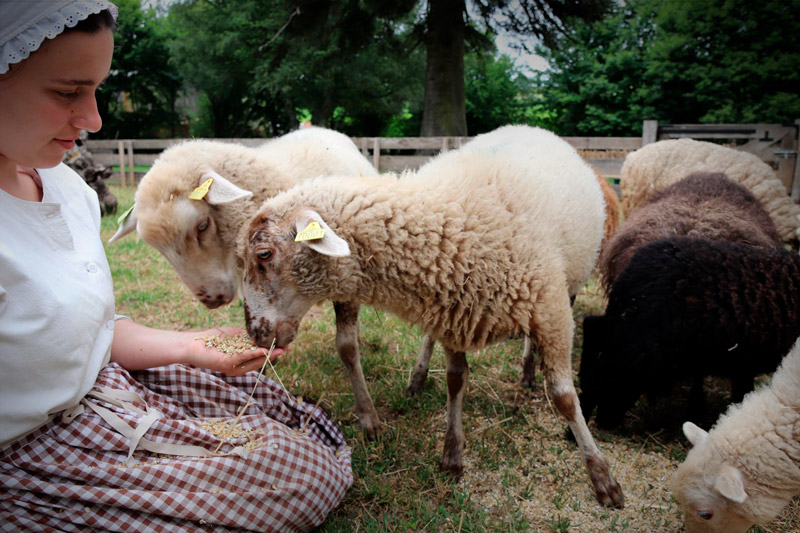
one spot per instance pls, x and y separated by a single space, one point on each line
137 99
498 93
713 61
216 46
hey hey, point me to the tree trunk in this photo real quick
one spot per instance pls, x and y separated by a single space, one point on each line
445 109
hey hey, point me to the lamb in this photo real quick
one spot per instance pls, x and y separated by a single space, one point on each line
747 468
198 237
420 373
689 308
662 163
479 244
702 205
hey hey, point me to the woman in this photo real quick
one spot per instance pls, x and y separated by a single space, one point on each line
105 423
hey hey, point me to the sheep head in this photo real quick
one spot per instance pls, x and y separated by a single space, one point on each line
285 271
184 220
710 491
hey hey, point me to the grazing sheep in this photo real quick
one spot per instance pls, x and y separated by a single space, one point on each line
478 244
198 237
611 202
702 205
662 163
747 468
689 308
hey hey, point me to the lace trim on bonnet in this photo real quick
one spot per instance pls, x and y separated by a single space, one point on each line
33 27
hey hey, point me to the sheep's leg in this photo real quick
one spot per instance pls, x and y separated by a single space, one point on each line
457 374
347 347
528 364
554 339
420 373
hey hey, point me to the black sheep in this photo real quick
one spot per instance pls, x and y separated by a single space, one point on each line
689 308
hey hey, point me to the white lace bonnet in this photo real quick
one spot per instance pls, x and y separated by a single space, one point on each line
25 24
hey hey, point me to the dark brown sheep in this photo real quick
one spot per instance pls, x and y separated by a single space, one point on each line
702 205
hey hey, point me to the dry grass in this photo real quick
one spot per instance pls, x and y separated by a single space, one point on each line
521 472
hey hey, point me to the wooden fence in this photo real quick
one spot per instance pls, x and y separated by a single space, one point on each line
776 144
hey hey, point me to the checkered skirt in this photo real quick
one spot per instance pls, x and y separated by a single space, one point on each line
285 469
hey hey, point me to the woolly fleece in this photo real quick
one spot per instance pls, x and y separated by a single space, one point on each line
659 164
759 438
702 205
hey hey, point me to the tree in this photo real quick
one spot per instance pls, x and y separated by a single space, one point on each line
341 62
447 26
345 60
711 61
215 46
497 93
138 98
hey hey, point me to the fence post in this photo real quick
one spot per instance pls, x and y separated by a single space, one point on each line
796 174
121 152
445 144
131 169
649 132
376 153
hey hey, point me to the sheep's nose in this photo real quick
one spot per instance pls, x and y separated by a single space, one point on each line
261 330
212 302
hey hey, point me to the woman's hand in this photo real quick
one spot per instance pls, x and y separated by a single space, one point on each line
137 347
200 354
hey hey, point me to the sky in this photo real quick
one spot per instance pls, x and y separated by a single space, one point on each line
520 57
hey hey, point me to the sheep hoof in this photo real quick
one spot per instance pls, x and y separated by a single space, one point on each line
529 383
606 489
414 388
612 496
416 383
455 470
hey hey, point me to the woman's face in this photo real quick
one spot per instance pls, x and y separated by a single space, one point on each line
47 100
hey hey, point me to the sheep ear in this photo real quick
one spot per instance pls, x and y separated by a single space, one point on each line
127 223
328 244
222 190
730 483
694 433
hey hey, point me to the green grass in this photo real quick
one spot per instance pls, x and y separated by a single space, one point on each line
521 473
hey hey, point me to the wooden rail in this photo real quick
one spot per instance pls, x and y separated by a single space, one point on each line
776 144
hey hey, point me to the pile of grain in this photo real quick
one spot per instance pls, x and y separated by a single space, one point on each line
230 344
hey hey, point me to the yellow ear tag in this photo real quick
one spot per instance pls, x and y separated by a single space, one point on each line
124 216
312 232
200 192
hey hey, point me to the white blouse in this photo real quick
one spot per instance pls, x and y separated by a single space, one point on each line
56 301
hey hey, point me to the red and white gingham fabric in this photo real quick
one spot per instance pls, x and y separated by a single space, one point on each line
73 476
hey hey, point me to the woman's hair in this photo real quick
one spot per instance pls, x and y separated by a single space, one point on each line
93 23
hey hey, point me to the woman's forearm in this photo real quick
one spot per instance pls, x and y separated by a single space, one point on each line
137 347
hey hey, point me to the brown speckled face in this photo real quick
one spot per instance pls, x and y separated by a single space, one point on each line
273 308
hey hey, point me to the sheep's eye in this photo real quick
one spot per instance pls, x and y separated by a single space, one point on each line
202 225
264 254
705 515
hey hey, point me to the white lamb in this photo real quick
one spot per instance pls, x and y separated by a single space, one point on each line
747 468
198 237
479 244
662 163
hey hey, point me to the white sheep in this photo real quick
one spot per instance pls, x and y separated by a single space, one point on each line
662 163
747 468
198 237
479 244
611 203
